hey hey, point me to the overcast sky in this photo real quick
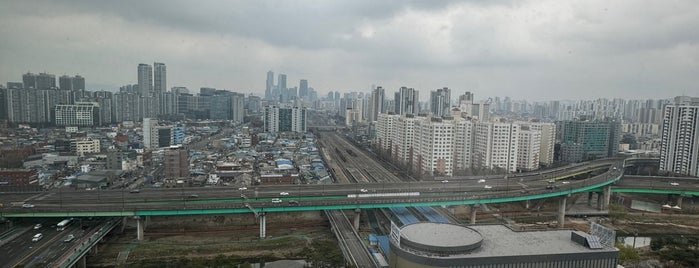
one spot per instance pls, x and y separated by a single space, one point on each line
535 50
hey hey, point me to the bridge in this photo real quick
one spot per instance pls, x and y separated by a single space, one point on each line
261 199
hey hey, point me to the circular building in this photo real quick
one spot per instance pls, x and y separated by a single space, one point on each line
434 244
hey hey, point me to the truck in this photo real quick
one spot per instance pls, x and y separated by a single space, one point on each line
63 224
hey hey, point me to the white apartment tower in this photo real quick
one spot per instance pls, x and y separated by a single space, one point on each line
495 145
528 151
679 150
548 140
434 146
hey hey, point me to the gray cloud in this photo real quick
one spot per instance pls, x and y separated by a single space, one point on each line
525 49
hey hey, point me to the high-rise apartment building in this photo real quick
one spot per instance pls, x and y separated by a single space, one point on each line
160 81
434 148
495 145
78 82
376 105
679 150
529 148
278 119
440 102
407 101
65 82
145 79
548 140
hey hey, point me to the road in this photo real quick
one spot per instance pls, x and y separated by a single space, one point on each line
349 240
22 251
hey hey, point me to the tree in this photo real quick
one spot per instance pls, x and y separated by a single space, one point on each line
617 212
627 253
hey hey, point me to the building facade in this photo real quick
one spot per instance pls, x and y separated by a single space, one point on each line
679 149
78 114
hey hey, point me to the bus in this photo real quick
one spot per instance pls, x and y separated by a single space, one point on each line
63 224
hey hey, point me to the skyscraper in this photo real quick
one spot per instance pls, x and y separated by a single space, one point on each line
145 79
160 82
440 102
303 88
29 80
45 81
679 150
270 84
376 106
281 83
407 101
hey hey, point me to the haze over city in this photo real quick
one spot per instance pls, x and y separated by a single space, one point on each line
536 50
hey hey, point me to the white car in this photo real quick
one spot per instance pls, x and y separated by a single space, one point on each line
488 187
364 190
37 226
243 188
283 193
565 182
276 200
481 181
674 184
27 206
445 181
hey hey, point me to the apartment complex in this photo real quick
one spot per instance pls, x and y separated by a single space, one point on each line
290 119
440 145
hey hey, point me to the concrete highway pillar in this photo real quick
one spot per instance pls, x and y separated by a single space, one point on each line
474 208
599 201
146 223
139 229
679 201
589 199
263 225
82 263
357 215
562 211
123 225
607 196
527 204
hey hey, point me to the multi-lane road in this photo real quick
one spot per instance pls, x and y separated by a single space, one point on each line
20 250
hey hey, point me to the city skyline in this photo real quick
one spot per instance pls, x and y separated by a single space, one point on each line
533 50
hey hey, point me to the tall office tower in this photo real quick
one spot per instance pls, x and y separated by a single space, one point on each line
160 74
376 107
277 119
269 84
145 79
529 143
433 153
440 102
45 81
495 145
29 80
407 101
679 150
150 133
65 82
78 82
303 88
176 162
281 83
